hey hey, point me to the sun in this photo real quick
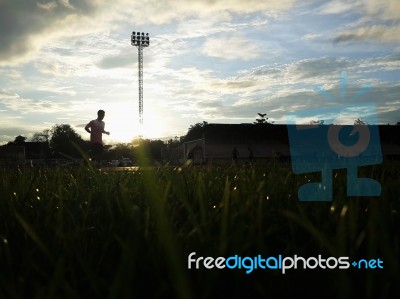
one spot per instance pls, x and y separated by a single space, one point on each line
123 124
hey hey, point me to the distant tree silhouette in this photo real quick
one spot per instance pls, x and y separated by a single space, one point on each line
359 122
41 136
195 131
173 143
62 141
317 122
152 148
121 150
19 140
262 120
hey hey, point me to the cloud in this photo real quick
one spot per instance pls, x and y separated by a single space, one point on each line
279 104
277 89
29 26
8 133
372 9
375 32
383 14
251 90
384 9
26 26
340 7
164 11
231 48
15 102
318 68
312 36
300 73
232 85
376 20
122 59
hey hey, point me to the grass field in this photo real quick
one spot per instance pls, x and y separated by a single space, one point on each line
87 233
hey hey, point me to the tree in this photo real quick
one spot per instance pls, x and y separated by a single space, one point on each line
195 131
19 140
359 122
262 120
317 122
151 148
121 150
62 141
41 136
173 143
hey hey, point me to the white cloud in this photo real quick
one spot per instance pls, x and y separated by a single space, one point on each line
377 9
23 105
232 48
312 36
35 24
27 27
375 32
384 9
377 19
164 11
341 6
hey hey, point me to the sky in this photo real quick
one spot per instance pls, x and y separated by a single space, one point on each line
219 61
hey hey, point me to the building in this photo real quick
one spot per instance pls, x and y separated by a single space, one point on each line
34 152
263 141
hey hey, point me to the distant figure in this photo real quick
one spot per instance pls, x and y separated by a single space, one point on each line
251 155
96 129
235 154
190 157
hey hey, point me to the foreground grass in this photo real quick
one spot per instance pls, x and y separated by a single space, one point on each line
84 233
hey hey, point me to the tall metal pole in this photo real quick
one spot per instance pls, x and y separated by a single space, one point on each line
140 40
140 57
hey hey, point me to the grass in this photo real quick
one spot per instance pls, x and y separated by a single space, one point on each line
84 233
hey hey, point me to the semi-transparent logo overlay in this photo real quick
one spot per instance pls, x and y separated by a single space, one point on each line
337 136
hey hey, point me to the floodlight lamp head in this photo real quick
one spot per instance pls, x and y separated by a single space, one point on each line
140 39
133 38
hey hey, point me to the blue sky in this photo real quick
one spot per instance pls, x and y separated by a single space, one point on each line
219 61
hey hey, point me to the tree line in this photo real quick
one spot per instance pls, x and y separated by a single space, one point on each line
64 141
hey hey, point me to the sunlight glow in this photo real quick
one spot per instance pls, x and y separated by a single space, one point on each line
123 125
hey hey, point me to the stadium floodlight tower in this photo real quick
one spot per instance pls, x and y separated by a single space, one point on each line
140 40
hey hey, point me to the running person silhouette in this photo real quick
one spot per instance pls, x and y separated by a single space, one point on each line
96 129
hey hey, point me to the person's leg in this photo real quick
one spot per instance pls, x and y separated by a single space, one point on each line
97 151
